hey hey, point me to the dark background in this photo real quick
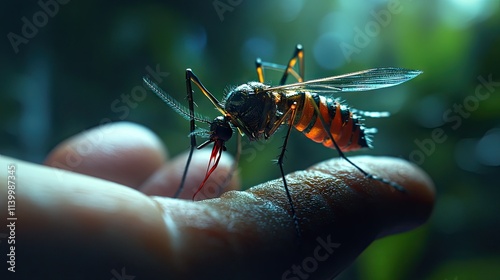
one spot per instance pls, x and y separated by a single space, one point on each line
75 66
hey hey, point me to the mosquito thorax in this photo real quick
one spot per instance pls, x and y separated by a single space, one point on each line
220 129
252 109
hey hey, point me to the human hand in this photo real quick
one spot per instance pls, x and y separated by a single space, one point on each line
75 226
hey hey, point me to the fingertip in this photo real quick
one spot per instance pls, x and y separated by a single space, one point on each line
123 152
396 211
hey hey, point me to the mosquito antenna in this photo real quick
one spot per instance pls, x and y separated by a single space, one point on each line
174 104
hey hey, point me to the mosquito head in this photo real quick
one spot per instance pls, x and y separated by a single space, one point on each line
220 132
220 129
251 109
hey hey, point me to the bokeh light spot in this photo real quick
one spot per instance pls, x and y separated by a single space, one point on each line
464 155
195 41
488 148
327 53
462 13
259 47
289 9
429 111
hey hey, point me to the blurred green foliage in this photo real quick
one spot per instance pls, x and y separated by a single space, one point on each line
72 70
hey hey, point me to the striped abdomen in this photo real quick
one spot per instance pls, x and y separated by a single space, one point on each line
343 124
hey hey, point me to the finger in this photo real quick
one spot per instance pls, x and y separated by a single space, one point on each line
88 226
340 213
167 180
123 152
339 210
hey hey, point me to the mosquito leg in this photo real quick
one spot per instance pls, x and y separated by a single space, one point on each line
342 155
191 79
260 70
280 163
204 90
297 55
288 69
369 175
192 127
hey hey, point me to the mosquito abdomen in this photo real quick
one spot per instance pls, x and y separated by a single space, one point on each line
343 124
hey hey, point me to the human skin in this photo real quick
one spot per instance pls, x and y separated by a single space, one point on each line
117 220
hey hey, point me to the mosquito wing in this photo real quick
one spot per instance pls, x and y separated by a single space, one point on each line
358 81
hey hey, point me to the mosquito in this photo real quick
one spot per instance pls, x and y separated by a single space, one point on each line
257 110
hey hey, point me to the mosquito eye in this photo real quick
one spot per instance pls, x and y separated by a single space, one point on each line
221 129
235 100
224 132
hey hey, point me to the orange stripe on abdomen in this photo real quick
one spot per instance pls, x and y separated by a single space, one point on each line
342 123
306 114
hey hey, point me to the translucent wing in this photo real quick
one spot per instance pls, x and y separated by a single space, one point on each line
358 81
